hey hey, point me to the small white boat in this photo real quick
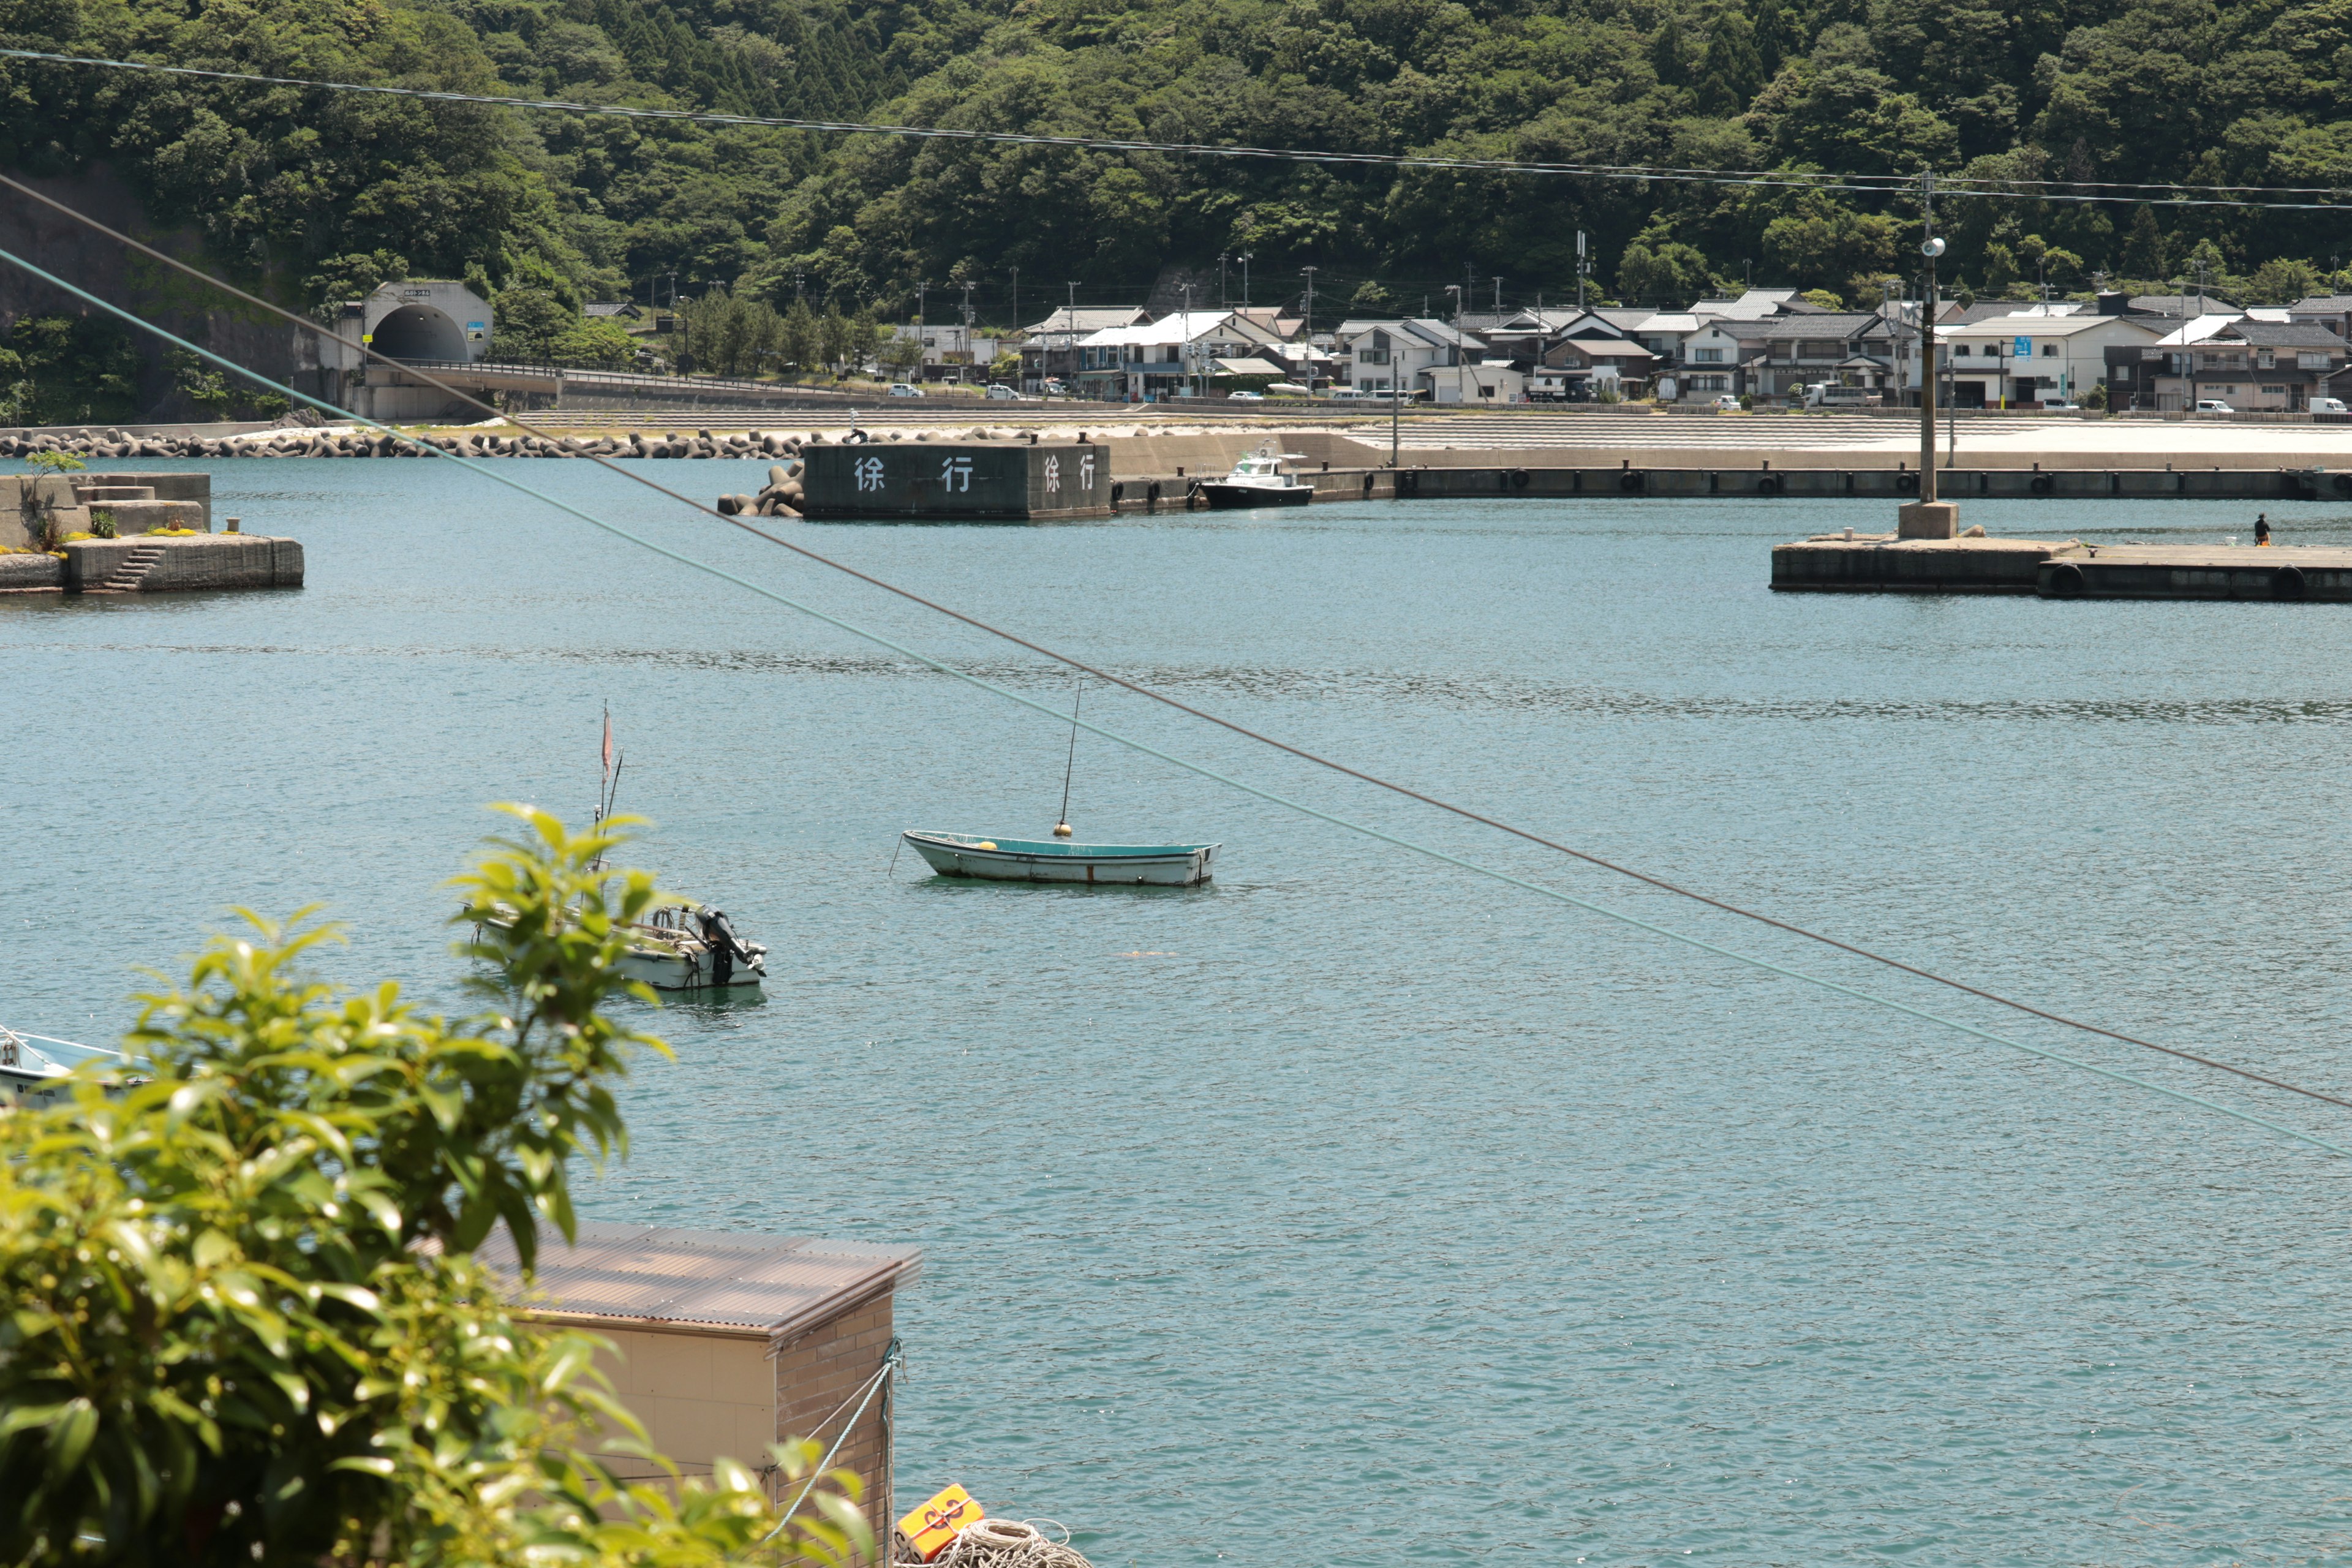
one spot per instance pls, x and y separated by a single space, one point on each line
1258 480
682 945
1058 861
34 1067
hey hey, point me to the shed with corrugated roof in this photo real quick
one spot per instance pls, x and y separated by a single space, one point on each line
726 1342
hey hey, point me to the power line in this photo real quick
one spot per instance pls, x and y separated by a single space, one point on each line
1139 690
2066 191
1365 829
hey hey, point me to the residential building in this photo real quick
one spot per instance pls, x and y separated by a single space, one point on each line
1406 354
1049 350
2332 312
1711 357
952 350
2004 361
1850 348
1592 363
1172 357
2252 366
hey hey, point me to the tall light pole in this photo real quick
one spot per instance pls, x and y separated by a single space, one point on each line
1224 298
1245 259
1309 272
1931 248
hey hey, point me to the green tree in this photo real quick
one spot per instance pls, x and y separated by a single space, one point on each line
837 339
81 369
245 1323
1372 299
195 378
2145 250
2281 282
1665 273
800 339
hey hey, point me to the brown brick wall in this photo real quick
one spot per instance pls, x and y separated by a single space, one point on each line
815 1373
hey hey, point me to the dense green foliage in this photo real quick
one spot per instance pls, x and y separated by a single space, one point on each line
240 1320
315 192
68 370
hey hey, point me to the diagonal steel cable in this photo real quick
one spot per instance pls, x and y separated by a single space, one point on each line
1407 791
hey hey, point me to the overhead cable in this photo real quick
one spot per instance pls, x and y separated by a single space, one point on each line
2067 191
1349 825
1137 688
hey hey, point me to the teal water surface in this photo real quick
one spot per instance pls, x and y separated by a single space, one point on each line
1352 1209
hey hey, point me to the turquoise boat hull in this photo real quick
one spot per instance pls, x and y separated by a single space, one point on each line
1057 860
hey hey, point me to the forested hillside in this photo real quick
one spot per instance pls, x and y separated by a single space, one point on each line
314 194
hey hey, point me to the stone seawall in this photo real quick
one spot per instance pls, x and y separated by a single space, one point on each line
148 565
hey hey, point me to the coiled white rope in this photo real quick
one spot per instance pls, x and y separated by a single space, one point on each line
1011 1543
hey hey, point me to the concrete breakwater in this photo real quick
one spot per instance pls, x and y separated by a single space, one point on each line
151 564
1883 563
328 442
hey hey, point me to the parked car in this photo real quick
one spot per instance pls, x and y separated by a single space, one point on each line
2214 405
1056 387
903 389
1730 400
2061 406
1003 393
2329 405
1245 397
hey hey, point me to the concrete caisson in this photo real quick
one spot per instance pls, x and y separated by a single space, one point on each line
972 481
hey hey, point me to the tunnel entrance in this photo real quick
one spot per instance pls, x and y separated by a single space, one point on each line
420 332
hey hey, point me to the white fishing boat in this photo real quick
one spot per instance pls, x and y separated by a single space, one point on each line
680 945
1057 860
34 1067
1258 480
685 946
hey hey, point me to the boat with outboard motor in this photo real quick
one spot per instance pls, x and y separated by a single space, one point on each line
34 1069
1258 480
1057 860
680 945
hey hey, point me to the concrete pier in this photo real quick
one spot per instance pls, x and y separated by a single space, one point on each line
147 565
1883 563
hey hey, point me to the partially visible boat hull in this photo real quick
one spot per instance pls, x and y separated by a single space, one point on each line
1224 497
689 972
1090 864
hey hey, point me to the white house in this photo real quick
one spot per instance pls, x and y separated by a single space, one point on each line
1172 357
2003 361
1404 355
1710 357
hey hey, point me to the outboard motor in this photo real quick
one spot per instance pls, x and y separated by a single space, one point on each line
720 938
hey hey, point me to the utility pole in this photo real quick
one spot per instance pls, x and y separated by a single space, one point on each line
1016 297
1224 296
1499 298
1309 272
1456 290
1188 350
800 294
1582 270
1245 259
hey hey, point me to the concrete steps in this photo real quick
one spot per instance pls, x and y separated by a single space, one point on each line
133 569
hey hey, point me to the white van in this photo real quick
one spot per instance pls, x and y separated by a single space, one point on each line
2329 405
2214 405
901 389
1829 394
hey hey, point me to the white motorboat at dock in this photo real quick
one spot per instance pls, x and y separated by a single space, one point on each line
1258 480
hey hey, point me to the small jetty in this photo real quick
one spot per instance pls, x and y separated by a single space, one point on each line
1886 563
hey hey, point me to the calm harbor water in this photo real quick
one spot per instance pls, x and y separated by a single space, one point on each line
1353 1209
